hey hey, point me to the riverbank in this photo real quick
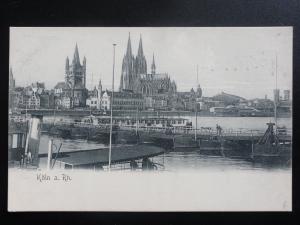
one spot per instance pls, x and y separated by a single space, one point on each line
86 112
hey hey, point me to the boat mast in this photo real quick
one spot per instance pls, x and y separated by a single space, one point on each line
111 105
196 109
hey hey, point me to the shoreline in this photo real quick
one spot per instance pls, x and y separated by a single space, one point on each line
87 112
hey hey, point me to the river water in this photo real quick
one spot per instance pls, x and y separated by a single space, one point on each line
191 159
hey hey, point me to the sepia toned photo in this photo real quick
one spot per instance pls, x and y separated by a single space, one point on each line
150 119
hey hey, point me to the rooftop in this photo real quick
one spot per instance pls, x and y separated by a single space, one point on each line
100 156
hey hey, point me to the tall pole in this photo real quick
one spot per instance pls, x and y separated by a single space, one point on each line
276 100
196 110
136 121
197 75
111 106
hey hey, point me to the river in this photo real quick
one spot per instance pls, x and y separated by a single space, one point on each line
190 160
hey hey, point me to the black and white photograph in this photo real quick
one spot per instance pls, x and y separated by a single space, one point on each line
150 119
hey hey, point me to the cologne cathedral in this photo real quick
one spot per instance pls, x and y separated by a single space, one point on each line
135 78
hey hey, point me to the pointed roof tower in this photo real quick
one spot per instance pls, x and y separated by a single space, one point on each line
100 84
129 51
153 67
140 50
11 79
76 59
67 63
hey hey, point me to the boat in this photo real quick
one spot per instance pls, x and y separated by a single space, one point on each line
210 146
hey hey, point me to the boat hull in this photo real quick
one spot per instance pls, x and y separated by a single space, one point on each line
272 154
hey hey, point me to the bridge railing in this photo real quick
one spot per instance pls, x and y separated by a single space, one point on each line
200 131
181 129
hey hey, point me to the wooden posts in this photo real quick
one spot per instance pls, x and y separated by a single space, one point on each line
49 160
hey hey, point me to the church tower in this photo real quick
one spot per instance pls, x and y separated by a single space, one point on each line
84 71
153 67
140 63
11 80
75 74
75 80
128 69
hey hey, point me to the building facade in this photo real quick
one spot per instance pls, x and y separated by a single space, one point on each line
125 100
95 98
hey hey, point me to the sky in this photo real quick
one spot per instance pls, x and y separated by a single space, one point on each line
240 61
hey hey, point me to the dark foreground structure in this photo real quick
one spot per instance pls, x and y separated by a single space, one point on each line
97 158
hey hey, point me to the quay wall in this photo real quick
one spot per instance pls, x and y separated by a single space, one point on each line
86 112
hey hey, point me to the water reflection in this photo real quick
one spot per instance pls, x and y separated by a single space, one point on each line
181 159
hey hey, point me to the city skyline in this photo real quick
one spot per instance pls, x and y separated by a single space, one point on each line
234 60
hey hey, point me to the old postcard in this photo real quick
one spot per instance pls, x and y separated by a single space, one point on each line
150 119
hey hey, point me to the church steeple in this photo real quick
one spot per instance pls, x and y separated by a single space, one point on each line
153 67
140 64
100 86
129 51
67 63
11 79
140 50
76 59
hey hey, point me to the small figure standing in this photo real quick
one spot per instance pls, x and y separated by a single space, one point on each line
219 129
22 161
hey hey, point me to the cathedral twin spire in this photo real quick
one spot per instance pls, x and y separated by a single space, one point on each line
140 50
134 75
140 61
129 50
132 66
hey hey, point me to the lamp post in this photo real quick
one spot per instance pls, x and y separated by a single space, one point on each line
111 105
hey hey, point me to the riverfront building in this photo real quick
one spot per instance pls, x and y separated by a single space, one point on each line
122 101
125 100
